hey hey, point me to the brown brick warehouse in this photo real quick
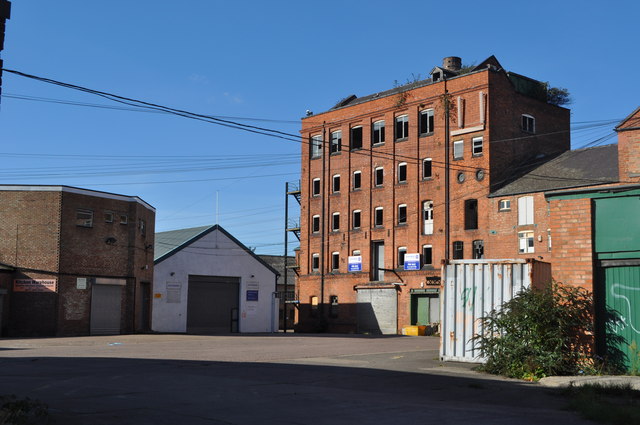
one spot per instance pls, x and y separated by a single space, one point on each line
74 261
373 185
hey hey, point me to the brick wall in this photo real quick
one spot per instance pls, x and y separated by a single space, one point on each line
474 113
629 149
572 243
42 238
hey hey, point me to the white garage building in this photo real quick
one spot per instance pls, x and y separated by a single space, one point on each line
206 282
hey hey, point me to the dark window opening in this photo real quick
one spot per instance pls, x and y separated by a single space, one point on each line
458 250
471 214
379 176
478 250
336 141
402 173
402 127
402 214
356 219
336 184
315 191
335 261
378 217
427 255
356 138
426 122
426 168
402 251
378 132
357 180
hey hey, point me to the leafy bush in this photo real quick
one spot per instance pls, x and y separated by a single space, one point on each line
540 332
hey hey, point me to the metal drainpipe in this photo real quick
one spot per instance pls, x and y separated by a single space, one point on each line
286 248
447 165
322 226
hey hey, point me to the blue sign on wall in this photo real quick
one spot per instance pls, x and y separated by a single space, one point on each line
252 295
412 261
355 263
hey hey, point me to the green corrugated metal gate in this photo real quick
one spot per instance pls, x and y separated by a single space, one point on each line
620 330
617 290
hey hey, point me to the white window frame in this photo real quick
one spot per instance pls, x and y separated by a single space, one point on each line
402 252
378 132
351 130
504 205
525 211
315 256
353 219
336 141
379 223
313 224
84 217
458 149
400 207
377 183
108 216
424 247
403 121
427 217
335 216
335 261
526 242
400 167
428 115
335 183
424 175
313 187
316 146
476 146
528 123
359 173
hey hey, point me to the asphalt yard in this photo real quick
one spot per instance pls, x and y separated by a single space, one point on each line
265 379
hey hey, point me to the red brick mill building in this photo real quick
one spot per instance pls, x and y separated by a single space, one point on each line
374 192
74 261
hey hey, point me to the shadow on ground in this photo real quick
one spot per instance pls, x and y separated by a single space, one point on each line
141 391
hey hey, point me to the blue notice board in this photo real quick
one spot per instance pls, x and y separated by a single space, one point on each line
355 263
412 261
252 295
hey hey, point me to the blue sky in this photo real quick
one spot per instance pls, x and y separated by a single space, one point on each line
269 62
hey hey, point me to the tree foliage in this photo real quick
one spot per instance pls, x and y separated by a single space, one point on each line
558 96
540 332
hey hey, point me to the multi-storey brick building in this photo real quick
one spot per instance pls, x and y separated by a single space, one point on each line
74 261
399 180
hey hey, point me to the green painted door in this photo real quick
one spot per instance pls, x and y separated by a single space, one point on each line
421 309
622 314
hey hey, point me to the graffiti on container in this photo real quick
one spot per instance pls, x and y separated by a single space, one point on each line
623 321
468 296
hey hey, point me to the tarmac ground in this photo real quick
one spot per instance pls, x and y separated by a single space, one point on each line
265 379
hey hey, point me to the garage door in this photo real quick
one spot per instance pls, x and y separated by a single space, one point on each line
377 311
106 306
212 304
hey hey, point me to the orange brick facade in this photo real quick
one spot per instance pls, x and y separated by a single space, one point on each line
628 148
485 108
41 239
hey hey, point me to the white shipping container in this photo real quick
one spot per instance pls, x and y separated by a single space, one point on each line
472 288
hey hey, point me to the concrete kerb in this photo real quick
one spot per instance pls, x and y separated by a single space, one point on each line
578 381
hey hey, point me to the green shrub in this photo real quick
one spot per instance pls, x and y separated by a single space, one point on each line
540 332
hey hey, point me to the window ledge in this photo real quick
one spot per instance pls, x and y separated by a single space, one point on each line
426 134
375 145
335 153
404 139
